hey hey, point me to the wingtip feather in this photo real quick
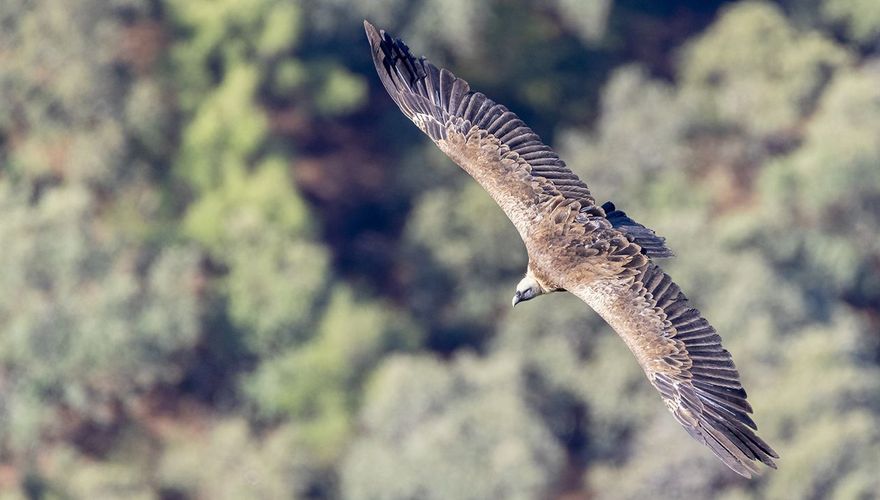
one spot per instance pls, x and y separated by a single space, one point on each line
373 34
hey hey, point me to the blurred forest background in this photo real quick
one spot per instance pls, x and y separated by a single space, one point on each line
230 268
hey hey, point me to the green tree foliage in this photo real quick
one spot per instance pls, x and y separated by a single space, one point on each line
82 324
464 265
463 431
638 139
229 461
247 212
263 232
230 268
829 188
97 306
63 111
775 293
318 383
860 20
754 70
69 473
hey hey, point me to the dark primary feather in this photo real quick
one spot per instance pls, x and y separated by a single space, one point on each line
707 383
440 103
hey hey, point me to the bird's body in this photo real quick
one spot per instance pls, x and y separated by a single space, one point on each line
597 253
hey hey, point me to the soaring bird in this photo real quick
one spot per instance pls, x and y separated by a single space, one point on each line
597 253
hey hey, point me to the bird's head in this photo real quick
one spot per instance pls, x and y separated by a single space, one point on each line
527 289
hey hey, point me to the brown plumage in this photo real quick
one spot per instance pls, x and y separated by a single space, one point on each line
597 253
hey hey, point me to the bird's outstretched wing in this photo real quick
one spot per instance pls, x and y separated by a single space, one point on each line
683 358
679 351
502 153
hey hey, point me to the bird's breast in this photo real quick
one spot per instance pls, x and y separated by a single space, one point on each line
562 256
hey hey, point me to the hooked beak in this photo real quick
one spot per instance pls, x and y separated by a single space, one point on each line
517 297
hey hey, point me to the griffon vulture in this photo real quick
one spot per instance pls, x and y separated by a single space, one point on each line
595 252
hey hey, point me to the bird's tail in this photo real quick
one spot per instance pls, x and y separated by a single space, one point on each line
652 245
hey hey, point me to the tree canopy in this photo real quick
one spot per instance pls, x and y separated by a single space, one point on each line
229 267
